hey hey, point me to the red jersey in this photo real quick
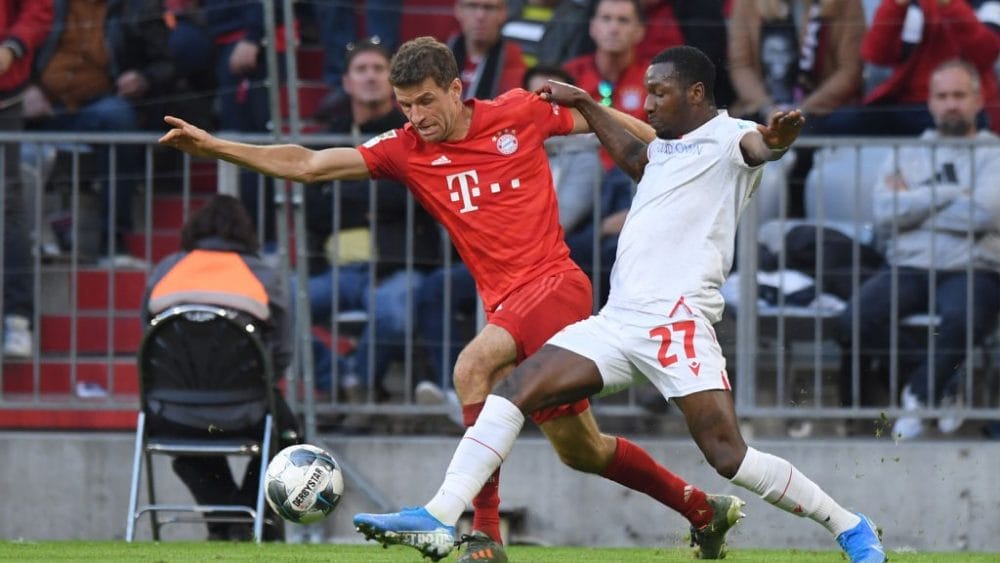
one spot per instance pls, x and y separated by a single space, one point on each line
628 94
492 190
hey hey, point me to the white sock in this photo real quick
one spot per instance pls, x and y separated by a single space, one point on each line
778 482
482 449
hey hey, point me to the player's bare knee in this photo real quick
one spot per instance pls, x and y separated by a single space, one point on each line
471 383
725 458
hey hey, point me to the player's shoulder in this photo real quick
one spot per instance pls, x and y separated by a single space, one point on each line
512 98
404 137
726 122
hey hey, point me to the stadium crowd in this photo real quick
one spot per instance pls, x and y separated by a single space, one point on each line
854 67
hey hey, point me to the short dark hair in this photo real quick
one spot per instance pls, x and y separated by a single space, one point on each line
422 58
370 45
546 70
691 66
223 217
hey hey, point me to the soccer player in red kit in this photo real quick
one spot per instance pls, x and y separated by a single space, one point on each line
480 168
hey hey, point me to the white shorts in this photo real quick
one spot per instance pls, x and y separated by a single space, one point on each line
680 355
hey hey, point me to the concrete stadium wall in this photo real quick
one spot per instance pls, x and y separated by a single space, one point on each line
930 496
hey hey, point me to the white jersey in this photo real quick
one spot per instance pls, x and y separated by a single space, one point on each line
679 237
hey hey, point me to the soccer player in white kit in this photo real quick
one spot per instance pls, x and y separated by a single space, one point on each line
674 252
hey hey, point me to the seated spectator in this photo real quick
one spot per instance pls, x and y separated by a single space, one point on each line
220 250
24 25
941 206
337 31
372 111
613 74
550 32
785 54
488 64
913 38
92 73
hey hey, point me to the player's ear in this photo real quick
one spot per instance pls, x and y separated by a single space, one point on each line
455 88
696 93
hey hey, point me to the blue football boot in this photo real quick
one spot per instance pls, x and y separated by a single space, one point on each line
414 527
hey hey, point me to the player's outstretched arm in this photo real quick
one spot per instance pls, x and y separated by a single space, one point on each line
774 138
623 136
292 162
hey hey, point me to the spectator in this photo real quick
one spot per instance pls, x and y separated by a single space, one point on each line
942 205
550 32
92 74
786 54
236 27
25 25
913 38
219 265
337 32
613 74
487 63
372 111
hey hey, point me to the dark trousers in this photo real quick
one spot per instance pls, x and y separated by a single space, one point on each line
116 114
951 293
209 478
17 298
244 107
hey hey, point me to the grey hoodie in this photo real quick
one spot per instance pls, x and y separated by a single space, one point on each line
949 194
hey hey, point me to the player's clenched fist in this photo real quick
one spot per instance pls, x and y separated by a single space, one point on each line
563 94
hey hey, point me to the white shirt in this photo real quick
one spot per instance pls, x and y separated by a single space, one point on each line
679 237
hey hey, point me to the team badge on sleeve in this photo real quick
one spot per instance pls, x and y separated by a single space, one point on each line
390 134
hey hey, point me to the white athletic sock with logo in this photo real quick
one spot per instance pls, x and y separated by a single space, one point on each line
778 482
482 449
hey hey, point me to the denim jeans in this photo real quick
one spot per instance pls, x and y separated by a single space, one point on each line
874 300
386 336
109 113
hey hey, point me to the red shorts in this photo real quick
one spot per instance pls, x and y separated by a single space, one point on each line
536 311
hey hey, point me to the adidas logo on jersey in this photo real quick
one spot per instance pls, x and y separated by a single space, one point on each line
440 160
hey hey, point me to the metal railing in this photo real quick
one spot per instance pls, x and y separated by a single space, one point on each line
785 359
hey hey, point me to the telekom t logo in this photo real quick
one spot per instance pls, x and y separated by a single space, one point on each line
465 185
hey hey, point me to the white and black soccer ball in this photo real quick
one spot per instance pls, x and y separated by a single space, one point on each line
303 484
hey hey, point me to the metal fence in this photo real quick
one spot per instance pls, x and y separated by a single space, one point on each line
784 358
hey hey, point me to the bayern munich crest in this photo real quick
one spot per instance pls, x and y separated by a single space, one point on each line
506 141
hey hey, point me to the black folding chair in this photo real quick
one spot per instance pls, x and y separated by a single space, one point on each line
202 366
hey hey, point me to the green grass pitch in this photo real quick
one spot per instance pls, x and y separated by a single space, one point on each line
70 551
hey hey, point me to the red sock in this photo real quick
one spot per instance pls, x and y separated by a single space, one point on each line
633 467
486 505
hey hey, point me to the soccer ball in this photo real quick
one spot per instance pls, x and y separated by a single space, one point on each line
303 484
